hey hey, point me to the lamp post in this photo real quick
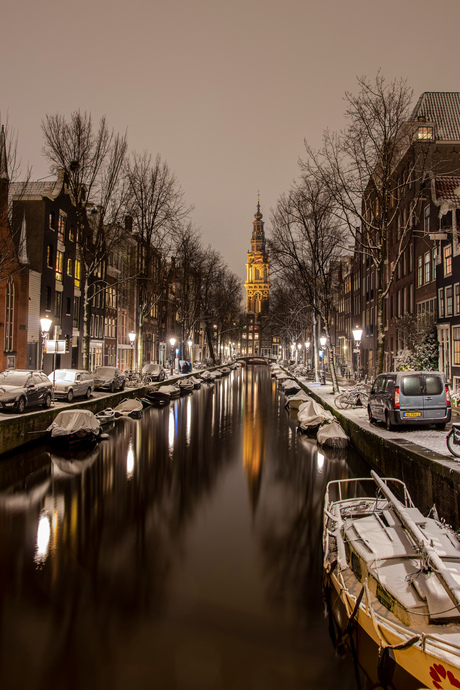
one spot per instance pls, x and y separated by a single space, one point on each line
190 343
45 325
322 342
173 342
307 348
132 338
357 335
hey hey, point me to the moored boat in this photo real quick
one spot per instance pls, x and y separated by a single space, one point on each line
129 407
395 575
106 417
186 386
75 427
158 397
196 382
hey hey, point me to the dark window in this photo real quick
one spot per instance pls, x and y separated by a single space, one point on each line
411 385
67 306
433 385
48 298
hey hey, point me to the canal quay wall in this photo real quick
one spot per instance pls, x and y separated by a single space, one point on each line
431 478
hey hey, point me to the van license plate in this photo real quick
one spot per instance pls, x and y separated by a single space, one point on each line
412 414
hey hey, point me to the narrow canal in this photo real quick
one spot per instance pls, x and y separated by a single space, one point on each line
182 553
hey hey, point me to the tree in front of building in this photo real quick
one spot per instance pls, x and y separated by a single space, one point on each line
367 169
92 158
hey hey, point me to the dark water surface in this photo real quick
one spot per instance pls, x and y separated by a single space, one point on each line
184 552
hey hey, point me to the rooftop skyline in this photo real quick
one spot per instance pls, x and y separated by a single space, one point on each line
225 92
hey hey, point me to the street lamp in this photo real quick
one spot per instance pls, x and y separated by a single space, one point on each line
298 353
190 343
357 334
322 342
45 325
132 338
307 347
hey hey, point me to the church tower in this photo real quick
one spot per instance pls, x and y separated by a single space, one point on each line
257 283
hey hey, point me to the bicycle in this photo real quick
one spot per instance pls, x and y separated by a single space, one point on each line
453 439
354 397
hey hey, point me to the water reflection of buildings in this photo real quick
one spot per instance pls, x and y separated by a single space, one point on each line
254 437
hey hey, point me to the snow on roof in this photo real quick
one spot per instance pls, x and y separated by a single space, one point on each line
443 109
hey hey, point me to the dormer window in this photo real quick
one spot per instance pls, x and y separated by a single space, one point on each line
425 133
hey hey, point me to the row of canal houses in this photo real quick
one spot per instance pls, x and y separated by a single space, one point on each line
426 288
41 277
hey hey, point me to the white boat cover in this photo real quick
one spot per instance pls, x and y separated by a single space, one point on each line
194 380
129 405
312 414
169 390
331 434
296 400
70 421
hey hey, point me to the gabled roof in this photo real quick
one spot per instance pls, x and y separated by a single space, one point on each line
448 189
33 189
443 109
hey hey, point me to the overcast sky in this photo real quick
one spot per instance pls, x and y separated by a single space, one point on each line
226 92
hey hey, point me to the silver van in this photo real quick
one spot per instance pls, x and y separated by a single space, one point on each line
410 397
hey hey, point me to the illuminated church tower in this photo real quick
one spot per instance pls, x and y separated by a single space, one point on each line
257 283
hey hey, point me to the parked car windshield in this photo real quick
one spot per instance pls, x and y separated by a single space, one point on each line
151 368
105 371
63 375
14 378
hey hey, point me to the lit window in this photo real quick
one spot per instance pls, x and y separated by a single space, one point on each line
77 273
425 133
59 265
49 256
69 267
448 260
61 226
449 301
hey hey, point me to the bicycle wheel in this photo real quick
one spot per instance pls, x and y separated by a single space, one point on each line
340 402
452 446
364 397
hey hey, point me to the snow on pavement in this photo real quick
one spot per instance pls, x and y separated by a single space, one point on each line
428 437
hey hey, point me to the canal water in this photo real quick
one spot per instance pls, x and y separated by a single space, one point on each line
182 553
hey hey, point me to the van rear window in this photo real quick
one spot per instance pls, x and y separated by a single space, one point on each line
433 385
411 385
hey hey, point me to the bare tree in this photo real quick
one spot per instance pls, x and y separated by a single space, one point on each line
189 257
305 247
11 250
359 168
156 204
92 159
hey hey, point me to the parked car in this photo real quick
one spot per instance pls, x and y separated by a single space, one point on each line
20 389
410 397
71 383
153 372
109 379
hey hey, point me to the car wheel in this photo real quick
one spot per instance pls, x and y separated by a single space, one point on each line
388 423
69 395
21 405
47 402
88 393
441 425
369 414
112 387
123 386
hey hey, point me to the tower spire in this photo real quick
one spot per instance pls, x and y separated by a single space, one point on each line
3 157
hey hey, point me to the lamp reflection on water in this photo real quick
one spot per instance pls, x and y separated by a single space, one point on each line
43 539
188 421
171 430
320 462
130 460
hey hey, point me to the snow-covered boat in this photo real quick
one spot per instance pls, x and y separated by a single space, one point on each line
75 427
196 382
296 400
158 397
332 435
311 415
290 387
394 575
208 376
129 407
186 386
106 417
